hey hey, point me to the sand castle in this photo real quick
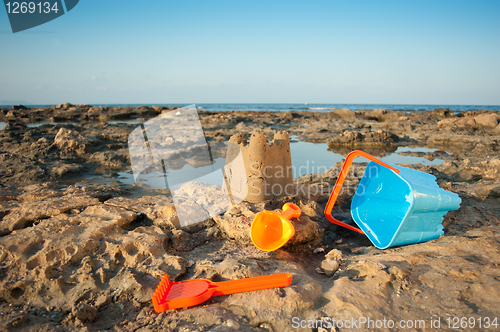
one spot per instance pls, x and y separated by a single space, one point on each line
268 165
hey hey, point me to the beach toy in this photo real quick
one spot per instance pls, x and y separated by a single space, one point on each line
394 205
174 295
270 230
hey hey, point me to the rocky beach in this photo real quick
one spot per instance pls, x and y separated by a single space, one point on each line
83 250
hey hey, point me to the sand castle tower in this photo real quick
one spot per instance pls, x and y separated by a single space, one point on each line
268 165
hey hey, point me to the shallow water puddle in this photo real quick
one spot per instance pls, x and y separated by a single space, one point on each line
132 121
39 124
309 158
174 177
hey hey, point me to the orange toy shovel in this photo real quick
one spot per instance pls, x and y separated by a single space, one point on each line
270 230
173 295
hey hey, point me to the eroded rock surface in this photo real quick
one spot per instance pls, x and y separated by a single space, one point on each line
81 248
68 259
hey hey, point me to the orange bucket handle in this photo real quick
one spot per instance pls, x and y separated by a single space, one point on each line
290 211
340 181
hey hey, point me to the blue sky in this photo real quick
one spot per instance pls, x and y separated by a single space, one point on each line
128 51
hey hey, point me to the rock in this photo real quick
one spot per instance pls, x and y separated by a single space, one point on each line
465 122
3 255
233 211
145 313
495 162
318 250
158 109
71 141
489 120
442 112
344 113
306 231
347 137
19 168
84 312
399 273
236 228
69 256
232 324
64 106
313 192
378 114
160 209
13 116
381 266
144 329
13 125
183 241
242 127
331 263
311 209
334 254
346 304
61 171
496 131
24 215
7 205
116 159
379 137
446 122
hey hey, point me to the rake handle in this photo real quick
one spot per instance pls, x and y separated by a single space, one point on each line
252 284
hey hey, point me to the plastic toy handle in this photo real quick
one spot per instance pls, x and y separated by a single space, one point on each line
290 211
251 284
340 181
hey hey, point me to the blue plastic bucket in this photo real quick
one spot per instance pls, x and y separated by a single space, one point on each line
395 209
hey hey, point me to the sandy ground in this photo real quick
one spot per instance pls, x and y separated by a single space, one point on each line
80 254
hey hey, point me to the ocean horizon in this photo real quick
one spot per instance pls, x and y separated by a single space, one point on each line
284 107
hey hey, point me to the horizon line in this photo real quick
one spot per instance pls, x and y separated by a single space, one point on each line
242 103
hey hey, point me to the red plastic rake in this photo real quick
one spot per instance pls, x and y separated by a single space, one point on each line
173 295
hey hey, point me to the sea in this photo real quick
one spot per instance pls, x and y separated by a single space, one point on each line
309 107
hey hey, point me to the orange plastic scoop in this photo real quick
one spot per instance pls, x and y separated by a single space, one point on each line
173 295
270 230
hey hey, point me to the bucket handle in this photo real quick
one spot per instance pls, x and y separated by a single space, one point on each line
340 181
